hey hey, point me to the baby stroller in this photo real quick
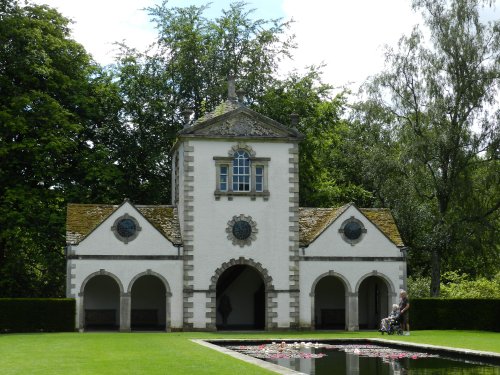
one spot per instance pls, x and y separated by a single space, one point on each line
392 326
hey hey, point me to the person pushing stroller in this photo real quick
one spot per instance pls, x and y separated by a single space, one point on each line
392 321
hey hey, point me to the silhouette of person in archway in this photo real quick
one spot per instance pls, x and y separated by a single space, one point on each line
225 309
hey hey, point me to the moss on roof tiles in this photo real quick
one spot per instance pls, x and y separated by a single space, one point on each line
165 219
82 219
383 219
314 221
221 109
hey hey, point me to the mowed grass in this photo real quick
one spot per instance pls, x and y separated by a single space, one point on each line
174 353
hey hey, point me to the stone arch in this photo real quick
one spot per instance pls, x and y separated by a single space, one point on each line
270 294
99 273
268 280
241 146
347 291
376 293
81 294
388 282
150 273
168 294
342 278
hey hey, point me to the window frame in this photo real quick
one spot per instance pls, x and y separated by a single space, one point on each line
254 163
241 180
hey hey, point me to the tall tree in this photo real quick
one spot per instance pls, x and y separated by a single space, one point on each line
187 67
326 176
439 98
47 117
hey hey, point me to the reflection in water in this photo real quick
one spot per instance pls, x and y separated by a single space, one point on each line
322 359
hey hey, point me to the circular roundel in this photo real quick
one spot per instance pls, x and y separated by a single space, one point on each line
126 228
242 230
353 230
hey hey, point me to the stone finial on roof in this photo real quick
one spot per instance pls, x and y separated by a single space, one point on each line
241 95
231 88
186 114
294 120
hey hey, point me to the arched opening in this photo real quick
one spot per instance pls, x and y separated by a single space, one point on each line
373 301
329 303
148 304
102 303
240 299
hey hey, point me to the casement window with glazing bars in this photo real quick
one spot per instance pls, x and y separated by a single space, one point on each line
241 175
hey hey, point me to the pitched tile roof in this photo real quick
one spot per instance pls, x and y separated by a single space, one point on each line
82 219
314 221
383 219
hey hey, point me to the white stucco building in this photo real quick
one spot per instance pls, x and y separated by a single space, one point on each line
234 250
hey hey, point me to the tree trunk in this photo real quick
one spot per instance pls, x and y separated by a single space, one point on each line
435 273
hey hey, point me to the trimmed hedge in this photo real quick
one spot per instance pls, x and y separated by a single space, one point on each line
37 314
467 314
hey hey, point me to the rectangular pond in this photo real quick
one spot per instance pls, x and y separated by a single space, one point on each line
365 357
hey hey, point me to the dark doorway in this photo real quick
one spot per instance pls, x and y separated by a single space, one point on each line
148 308
329 304
373 302
102 304
240 299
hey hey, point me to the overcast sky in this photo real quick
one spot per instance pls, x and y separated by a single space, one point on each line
347 35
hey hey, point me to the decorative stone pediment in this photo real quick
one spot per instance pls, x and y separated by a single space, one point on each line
241 125
231 120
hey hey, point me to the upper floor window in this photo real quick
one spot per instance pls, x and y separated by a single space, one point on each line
259 178
241 173
223 177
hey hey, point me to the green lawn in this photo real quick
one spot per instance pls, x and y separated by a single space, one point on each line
173 353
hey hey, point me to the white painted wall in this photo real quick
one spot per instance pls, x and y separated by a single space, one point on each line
102 240
211 217
374 242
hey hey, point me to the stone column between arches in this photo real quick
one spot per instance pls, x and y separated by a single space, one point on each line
125 306
352 312
81 312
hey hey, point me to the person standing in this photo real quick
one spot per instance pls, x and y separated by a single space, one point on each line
404 315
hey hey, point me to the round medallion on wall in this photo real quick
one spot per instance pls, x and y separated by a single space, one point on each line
126 228
352 230
241 230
